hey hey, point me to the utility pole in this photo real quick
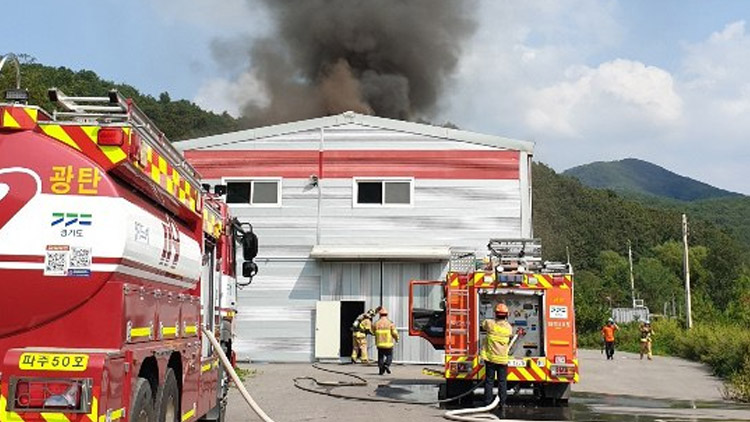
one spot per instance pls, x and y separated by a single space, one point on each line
632 280
686 267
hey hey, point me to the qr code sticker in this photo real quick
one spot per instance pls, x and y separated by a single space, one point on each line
80 258
56 261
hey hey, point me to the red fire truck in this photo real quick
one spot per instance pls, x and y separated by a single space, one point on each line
539 296
113 258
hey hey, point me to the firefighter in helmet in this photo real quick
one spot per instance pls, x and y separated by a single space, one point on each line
495 352
646 333
385 336
361 327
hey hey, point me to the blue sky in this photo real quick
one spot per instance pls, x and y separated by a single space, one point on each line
666 81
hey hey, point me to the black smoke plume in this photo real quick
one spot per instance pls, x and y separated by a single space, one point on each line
390 58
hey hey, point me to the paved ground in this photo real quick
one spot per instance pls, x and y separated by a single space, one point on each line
663 377
626 389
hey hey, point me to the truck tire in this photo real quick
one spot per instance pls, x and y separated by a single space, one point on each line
142 403
167 404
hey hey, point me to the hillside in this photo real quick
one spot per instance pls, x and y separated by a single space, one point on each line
641 177
596 224
179 119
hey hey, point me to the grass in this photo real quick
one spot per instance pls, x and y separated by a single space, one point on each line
245 374
725 348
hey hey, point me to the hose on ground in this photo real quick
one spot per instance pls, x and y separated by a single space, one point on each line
361 382
232 374
479 414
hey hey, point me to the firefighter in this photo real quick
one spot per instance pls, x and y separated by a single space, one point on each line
646 333
495 353
361 327
385 336
608 335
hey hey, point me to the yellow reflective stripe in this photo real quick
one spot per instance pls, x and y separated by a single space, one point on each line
542 281
190 413
191 329
559 343
140 332
33 113
54 417
114 153
114 415
8 416
57 132
513 377
206 367
94 409
525 374
169 331
9 121
537 370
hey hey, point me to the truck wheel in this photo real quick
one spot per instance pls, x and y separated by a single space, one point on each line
142 403
168 399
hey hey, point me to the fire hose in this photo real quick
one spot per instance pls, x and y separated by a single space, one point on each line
235 378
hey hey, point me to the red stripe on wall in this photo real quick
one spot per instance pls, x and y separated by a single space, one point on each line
443 164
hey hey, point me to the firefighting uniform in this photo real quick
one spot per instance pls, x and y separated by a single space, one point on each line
359 341
495 356
385 334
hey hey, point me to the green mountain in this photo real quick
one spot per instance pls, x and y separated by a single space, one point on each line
641 177
656 187
180 119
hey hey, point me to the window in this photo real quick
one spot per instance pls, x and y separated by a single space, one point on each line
256 192
395 192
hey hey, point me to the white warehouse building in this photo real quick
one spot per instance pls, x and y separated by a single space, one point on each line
348 209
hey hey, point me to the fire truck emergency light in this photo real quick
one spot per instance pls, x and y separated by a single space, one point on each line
113 137
17 95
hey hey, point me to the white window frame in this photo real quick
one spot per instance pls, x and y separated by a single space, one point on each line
382 204
252 180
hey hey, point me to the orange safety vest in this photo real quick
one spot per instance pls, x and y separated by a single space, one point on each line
608 331
385 333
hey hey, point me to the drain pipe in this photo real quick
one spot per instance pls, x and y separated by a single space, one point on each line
228 367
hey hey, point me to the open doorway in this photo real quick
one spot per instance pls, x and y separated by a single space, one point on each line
350 310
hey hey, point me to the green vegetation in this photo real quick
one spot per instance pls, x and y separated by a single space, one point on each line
245 374
641 177
179 119
655 187
596 225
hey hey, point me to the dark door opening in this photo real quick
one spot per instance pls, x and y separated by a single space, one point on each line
350 310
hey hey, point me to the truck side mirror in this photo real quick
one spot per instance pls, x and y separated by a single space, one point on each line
249 246
249 269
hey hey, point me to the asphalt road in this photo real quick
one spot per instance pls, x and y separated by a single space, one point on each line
626 389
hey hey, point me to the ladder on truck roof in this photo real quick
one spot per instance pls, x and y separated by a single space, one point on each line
113 109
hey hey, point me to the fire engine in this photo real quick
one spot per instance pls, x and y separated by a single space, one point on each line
539 296
113 259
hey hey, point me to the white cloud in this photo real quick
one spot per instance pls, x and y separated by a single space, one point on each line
639 94
540 71
221 95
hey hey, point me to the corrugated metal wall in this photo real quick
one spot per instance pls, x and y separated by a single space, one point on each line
362 281
276 314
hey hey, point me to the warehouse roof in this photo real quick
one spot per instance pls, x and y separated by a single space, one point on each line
348 118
